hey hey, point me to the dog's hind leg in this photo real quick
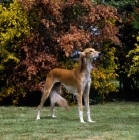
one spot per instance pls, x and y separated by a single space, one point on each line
43 99
55 90
47 90
55 97
52 100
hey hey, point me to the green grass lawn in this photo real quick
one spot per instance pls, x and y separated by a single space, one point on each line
114 121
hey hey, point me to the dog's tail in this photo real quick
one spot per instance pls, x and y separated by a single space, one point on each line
57 98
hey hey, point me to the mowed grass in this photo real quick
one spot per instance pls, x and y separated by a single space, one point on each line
114 121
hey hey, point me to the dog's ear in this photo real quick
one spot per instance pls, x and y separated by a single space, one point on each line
82 61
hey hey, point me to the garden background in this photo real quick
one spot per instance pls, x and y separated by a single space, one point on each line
38 35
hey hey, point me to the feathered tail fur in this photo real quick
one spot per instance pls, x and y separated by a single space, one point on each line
57 98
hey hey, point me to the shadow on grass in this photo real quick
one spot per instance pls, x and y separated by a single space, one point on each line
63 118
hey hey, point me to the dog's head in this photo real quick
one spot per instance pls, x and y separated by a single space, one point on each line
89 55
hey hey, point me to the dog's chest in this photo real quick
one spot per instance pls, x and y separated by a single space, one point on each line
85 82
73 89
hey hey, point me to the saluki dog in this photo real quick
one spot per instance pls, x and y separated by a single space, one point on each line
76 81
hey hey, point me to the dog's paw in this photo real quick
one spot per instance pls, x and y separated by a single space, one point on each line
82 121
53 116
37 118
91 121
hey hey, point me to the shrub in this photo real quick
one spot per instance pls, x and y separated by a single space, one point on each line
14 27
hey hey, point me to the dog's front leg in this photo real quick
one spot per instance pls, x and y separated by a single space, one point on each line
86 100
80 107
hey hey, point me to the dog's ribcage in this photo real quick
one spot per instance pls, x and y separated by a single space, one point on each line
73 89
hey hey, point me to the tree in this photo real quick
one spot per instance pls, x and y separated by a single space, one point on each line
133 67
128 33
14 27
58 28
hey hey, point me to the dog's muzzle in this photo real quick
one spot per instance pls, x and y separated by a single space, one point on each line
98 57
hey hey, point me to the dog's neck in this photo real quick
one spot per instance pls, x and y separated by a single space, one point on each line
86 67
89 66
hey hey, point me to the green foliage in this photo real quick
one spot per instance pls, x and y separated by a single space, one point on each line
134 57
69 64
109 60
102 83
135 14
104 75
128 53
13 92
14 27
122 5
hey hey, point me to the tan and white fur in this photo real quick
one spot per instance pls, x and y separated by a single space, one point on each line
76 81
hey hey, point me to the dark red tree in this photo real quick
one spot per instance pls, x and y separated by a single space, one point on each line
58 28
